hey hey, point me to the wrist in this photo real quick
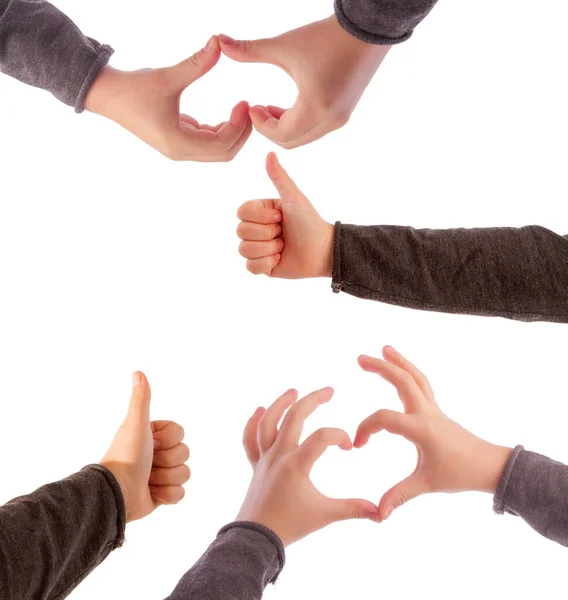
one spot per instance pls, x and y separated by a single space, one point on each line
103 91
115 469
327 237
491 461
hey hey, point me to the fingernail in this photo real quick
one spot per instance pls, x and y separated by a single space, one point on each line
280 244
136 379
388 513
210 44
228 41
291 391
277 217
375 517
390 349
157 444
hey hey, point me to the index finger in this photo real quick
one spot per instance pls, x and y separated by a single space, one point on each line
409 392
217 140
166 434
259 211
284 127
293 423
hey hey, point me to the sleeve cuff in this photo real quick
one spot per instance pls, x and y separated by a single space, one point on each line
336 267
104 53
120 505
499 498
268 533
363 35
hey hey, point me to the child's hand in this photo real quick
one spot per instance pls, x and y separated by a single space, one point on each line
285 238
147 103
450 459
281 495
331 69
147 457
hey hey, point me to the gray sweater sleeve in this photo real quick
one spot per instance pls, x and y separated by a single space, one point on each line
383 22
519 274
42 47
535 488
238 565
53 538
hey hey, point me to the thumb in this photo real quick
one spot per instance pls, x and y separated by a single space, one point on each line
140 400
191 69
260 51
288 190
355 508
400 494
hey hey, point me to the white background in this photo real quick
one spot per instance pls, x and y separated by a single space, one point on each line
115 259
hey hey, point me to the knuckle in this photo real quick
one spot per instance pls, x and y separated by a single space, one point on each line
194 61
248 46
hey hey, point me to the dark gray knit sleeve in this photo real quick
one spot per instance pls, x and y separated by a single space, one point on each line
383 22
42 47
239 564
53 538
519 274
535 488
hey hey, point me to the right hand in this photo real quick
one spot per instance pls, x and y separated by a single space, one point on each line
147 103
450 458
286 237
281 495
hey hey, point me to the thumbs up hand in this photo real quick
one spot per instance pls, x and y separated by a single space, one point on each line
331 69
147 103
450 458
285 238
147 457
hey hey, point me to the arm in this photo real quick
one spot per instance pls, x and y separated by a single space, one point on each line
282 505
238 565
382 21
535 488
514 273
53 538
42 47
506 272
451 459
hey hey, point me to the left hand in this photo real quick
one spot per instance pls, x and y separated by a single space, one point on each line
147 457
331 69
147 103
450 458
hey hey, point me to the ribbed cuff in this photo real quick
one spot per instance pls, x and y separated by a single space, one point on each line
336 267
363 35
267 533
104 53
499 498
120 504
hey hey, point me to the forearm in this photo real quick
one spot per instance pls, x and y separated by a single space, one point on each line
42 47
53 538
238 565
535 488
519 274
382 22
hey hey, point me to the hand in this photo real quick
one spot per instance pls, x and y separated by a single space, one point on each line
147 103
331 69
281 495
285 238
450 459
147 457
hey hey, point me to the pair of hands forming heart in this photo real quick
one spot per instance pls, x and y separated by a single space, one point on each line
282 496
330 67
